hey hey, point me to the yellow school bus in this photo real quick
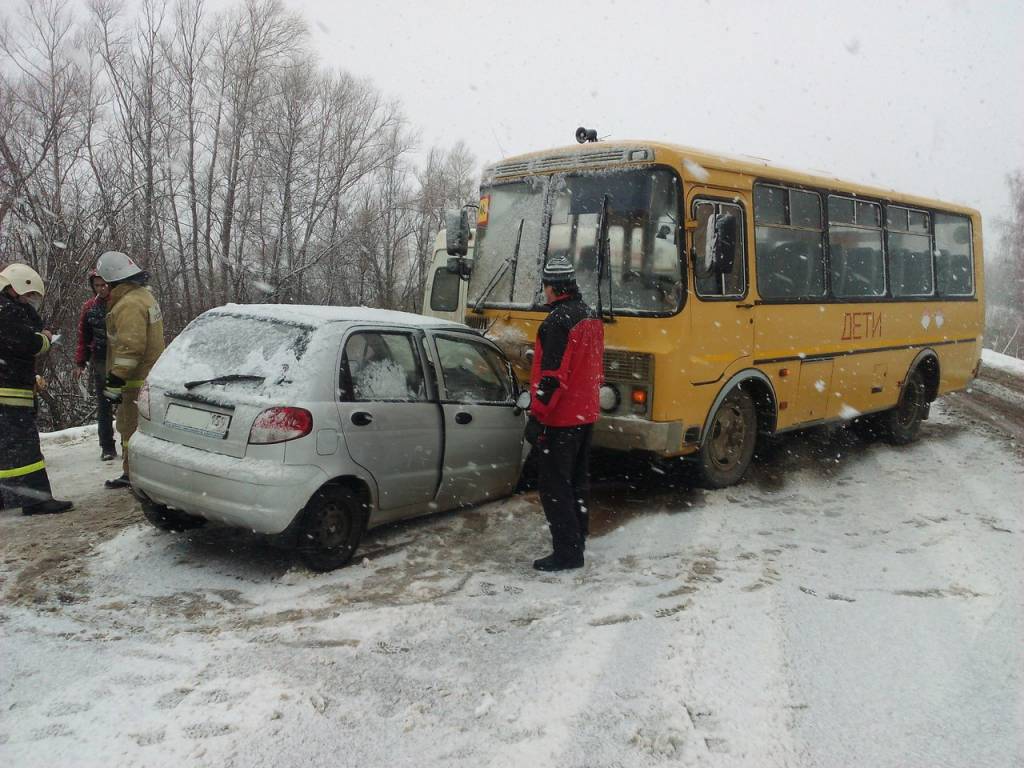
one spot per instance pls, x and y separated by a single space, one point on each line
739 298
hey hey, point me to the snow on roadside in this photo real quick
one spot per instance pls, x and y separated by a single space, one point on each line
846 605
1004 363
70 435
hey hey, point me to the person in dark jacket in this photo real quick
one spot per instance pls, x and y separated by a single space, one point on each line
568 366
23 479
92 348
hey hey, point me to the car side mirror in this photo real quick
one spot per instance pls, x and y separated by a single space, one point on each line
457 232
523 401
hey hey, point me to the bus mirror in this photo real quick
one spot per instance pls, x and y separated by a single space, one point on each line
724 243
457 232
460 266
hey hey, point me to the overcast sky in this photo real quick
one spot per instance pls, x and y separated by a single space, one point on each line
925 97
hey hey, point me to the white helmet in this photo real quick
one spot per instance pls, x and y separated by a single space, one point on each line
22 279
114 266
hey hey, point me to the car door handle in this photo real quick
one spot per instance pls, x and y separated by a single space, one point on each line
463 418
361 418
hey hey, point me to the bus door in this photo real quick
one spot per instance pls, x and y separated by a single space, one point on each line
795 329
721 318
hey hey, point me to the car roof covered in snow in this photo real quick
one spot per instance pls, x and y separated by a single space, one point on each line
316 315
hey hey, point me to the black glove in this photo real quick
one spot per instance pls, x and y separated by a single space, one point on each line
112 388
546 388
534 431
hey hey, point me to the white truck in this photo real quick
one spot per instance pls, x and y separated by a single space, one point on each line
445 293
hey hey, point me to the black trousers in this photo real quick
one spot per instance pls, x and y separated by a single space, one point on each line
104 411
563 479
23 479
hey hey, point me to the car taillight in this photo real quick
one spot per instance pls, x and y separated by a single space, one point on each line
143 401
278 425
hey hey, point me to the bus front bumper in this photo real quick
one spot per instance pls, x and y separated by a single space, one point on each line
631 433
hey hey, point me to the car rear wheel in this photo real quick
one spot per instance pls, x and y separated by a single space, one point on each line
332 525
728 446
167 519
903 422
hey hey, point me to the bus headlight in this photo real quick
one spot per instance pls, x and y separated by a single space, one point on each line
609 398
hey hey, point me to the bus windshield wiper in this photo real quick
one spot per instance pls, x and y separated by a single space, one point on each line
496 278
224 379
603 262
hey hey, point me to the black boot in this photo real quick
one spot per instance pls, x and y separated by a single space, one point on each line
555 563
119 482
48 507
108 455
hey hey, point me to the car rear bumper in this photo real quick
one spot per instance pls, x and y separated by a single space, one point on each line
261 495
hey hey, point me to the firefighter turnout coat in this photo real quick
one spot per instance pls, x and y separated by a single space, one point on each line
135 339
23 478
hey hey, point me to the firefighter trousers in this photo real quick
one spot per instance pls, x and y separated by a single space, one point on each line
127 420
23 478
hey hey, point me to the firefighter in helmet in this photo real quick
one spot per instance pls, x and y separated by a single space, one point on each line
23 479
135 339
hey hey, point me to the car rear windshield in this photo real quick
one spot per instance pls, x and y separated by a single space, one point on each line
247 351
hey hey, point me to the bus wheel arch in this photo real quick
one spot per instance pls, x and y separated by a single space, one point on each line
901 423
927 362
744 407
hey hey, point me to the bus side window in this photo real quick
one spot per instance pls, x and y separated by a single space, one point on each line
788 243
732 283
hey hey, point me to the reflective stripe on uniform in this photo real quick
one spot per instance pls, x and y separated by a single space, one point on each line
129 362
28 469
17 401
28 394
134 383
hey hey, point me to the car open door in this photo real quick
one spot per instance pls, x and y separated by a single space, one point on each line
392 426
483 429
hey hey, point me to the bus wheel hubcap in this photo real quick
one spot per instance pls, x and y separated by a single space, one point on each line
910 405
727 437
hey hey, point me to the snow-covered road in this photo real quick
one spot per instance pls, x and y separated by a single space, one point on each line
850 604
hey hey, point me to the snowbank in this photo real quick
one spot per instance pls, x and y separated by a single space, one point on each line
1003 363
64 436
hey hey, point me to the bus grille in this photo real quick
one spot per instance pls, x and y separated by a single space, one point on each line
626 367
477 321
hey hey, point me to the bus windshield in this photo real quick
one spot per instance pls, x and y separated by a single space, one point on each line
643 274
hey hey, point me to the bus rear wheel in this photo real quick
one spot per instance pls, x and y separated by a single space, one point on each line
903 422
728 446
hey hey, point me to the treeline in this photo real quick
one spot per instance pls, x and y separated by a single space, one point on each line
1004 279
215 150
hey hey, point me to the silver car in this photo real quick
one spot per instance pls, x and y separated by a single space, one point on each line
319 422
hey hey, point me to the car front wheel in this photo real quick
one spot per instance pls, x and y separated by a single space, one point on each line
333 523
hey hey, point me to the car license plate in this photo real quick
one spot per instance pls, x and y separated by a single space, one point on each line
208 423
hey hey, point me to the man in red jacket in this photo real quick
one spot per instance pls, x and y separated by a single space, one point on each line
92 347
564 385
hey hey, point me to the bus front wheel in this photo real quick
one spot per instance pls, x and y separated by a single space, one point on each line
903 422
729 443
